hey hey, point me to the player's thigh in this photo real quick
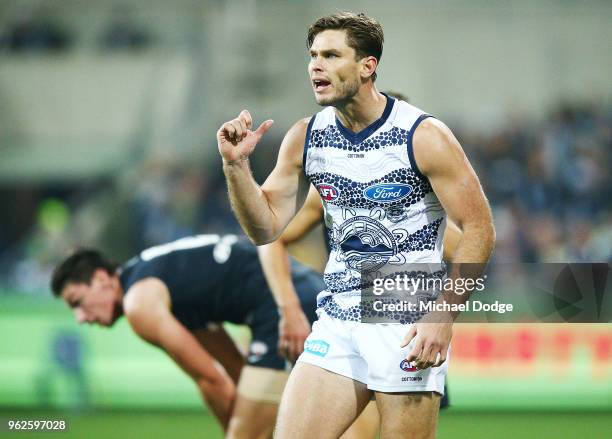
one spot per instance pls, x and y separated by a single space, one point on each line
413 415
259 393
252 419
319 403
366 425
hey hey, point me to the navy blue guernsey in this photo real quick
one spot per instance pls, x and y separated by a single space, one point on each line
210 278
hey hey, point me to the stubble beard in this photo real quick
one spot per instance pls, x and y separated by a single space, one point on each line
345 93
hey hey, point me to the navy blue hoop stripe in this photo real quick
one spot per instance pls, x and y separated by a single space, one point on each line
307 142
410 147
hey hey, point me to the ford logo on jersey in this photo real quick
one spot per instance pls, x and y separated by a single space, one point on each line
328 192
316 347
407 366
387 193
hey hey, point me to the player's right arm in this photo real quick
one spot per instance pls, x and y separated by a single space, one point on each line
263 211
452 236
147 308
274 257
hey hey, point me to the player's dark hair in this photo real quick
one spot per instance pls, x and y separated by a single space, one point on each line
364 34
79 268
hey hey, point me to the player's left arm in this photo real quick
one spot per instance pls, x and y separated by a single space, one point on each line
441 159
147 309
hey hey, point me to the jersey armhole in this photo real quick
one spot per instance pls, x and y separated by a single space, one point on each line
307 142
421 118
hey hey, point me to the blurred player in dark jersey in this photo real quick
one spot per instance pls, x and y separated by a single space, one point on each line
176 296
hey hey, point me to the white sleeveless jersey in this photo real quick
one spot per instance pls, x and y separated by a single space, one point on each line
379 209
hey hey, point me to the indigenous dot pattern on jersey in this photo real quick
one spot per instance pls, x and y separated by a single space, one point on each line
380 211
330 137
350 193
365 311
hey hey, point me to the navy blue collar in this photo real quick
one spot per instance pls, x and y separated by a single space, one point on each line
356 138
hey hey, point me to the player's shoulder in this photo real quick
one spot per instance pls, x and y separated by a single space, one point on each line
145 305
407 116
323 118
145 296
298 129
293 143
433 144
432 131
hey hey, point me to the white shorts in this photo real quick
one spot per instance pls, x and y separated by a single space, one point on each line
371 354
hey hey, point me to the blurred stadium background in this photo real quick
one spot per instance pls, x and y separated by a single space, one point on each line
107 138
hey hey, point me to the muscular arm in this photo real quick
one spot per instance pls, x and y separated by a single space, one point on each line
147 308
452 236
263 211
441 159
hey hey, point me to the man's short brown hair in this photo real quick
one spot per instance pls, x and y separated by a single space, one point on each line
364 34
79 268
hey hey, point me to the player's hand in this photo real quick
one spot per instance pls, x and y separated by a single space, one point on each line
432 335
235 139
293 329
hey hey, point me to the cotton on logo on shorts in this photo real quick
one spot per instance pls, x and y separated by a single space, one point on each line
407 366
316 347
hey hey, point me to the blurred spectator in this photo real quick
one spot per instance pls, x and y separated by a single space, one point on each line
123 32
34 31
552 181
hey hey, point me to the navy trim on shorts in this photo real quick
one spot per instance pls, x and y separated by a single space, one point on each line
307 142
410 147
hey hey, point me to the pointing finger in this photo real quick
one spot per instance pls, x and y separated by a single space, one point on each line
263 128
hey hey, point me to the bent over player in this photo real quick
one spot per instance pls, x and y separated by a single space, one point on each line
389 174
175 296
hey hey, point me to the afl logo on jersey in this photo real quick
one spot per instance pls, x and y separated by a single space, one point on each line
387 193
328 192
407 366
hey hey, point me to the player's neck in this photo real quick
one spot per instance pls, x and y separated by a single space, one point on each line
119 295
362 110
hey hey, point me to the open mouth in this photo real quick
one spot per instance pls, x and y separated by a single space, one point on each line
320 84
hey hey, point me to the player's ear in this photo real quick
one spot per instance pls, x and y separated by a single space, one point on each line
100 276
368 66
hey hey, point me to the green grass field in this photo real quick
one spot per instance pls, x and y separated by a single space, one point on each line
454 424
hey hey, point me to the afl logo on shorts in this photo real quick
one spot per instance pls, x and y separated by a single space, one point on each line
387 193
407 366
328 192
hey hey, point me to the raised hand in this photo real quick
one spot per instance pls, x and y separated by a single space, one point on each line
235 139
